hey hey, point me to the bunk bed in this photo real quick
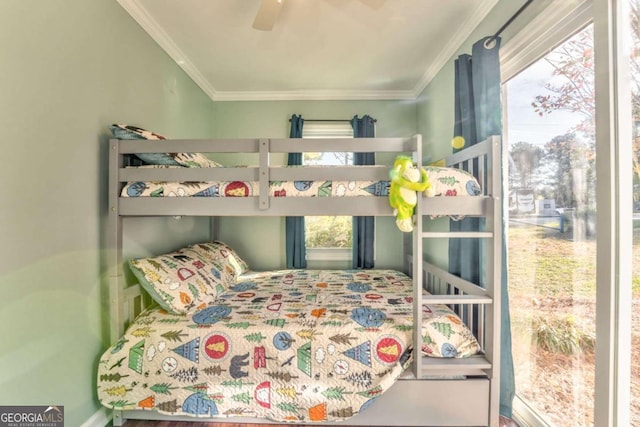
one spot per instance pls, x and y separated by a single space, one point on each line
410 387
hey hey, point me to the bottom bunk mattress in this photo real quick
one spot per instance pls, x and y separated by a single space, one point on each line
292 345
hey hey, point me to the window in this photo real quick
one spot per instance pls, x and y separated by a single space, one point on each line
328 238
632 150
615 58
552 240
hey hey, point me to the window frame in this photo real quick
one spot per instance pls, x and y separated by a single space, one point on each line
614 190
328 129
614 217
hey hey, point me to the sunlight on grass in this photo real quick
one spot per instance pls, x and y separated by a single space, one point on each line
544 257
552 293
552 283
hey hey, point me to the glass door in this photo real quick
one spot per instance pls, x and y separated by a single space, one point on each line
632 33
552 236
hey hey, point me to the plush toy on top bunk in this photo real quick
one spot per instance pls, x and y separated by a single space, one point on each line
406 181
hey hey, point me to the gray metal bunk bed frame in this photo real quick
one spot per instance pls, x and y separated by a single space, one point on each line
435 391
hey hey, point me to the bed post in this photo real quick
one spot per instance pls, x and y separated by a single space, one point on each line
407 245
494 263
114 255
264 146
417 272
114 246
214 228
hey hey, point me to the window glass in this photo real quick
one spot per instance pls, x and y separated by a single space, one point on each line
552 241
634 36
328 232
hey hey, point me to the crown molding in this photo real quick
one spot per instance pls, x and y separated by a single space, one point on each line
314 95
151 26
453 44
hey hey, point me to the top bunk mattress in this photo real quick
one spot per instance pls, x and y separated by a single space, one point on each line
323 188
444 181
199 187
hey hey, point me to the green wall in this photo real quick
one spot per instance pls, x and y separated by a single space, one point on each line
69 69
435 105
262 240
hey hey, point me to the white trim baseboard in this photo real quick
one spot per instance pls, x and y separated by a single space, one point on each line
100 418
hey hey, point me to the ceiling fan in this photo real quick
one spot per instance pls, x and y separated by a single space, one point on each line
267 14
270 9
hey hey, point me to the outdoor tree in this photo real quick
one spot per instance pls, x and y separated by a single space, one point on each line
526 159
571 157
635 94
572 88
312 158
572 164
329 232
328 158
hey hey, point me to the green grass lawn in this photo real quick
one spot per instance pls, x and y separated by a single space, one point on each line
552 286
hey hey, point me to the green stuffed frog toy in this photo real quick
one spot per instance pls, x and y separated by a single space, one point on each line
406 181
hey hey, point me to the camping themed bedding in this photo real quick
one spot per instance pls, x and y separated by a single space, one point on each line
444 182
251 188
292 345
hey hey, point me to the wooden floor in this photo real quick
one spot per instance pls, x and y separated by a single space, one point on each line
504 422
188 424
138 423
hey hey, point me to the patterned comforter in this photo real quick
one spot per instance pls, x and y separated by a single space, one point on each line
292 345
251 188
444 182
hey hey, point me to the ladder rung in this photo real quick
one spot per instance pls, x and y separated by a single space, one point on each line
463 365
456 299
456 234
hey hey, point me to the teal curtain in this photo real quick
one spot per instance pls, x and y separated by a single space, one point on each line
363 226
478 115
294 225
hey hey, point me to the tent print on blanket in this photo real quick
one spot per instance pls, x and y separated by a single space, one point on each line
292 346
252 188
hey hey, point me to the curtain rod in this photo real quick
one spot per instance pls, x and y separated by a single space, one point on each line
330 120
506 24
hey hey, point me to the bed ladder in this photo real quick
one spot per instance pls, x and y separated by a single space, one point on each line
487 300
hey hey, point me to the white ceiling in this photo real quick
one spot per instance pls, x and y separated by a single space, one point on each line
318 49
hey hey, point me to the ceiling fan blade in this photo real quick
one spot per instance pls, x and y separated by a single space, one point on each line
374 4
267 14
